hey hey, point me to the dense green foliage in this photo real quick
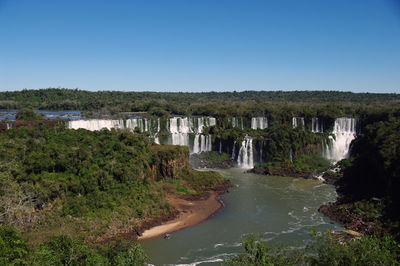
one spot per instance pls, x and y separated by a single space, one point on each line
327 249
63 250
375 160
91 172
81 179
57 177
278 149
219 104
370 181
13 249
27 114
257 253
368 250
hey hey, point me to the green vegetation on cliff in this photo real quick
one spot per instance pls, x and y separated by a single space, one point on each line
87 183
369 187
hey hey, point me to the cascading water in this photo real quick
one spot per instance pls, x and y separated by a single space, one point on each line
344 131
259 122
181 128
156 138
236 122
96 124
317 126
245 158
298 122
133 123
201 143
143 124
233 151
291 154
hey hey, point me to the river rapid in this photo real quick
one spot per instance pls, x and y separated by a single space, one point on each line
276 209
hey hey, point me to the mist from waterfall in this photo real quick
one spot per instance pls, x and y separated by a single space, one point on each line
345 131
245 157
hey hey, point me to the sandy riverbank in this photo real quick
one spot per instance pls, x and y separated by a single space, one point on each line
191 212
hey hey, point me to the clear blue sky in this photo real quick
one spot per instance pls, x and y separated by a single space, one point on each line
201 45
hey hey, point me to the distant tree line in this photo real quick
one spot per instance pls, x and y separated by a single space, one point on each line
219 104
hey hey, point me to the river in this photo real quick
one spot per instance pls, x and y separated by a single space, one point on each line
276 209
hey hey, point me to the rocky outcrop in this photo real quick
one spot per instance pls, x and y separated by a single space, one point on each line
168 160
281 172
211 160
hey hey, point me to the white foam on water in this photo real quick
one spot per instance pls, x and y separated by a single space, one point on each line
345 132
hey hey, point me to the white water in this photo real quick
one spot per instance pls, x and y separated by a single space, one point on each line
202 143
259 122
233 150
245 158
181 128
236 122
298 122
133 123
317 126
344 131
96 124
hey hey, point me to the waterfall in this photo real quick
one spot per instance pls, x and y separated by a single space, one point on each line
344 131
233 151
179 125
236 122
179 129
196 144
202 143
133 123
245 158
202 122
291 154
212 121
9 126
156 138
200 125
259 122
181 139
317 126
96 124
298 122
